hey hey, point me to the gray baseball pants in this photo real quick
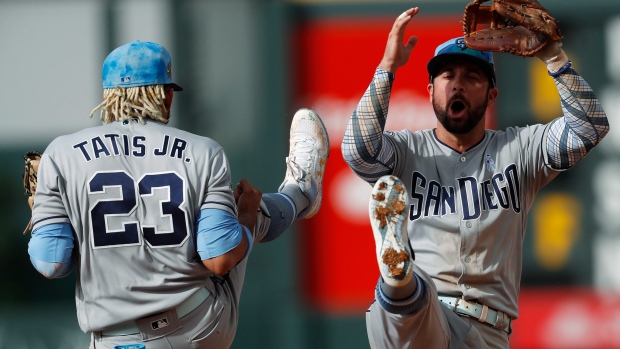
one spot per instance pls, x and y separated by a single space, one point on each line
434 326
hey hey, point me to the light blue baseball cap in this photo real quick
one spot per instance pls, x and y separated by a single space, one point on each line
138 63
456 48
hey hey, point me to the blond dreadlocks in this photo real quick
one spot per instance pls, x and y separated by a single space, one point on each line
140 102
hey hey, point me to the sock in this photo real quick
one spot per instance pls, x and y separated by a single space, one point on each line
405 303
401 292
299 198
282 214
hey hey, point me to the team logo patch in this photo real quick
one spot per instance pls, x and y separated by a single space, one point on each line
169 69
490 163
161 323
126 79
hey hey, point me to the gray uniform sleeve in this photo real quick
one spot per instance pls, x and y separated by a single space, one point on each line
48 203
583 125
365 148
219 192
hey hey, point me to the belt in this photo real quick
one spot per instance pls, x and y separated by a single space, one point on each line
480 312
129 327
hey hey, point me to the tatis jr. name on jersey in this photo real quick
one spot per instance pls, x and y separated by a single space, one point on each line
129 145
430 198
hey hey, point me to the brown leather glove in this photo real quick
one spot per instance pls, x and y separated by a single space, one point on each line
519 27
31 168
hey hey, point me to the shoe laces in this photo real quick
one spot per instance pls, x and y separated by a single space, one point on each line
302 158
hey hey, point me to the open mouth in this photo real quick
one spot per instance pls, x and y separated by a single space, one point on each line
457 106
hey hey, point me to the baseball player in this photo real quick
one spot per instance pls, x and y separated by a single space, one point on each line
147 215
449 205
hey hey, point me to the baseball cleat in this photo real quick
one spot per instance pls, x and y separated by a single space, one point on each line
305 164
388 210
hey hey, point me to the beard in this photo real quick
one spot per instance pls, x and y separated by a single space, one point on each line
472 118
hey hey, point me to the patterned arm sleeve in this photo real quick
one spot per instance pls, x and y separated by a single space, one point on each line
365 148
583 126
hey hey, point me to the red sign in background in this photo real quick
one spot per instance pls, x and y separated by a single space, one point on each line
561 318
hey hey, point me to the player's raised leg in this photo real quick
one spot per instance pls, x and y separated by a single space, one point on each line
406 313
300 194
388 217
400 294
308 152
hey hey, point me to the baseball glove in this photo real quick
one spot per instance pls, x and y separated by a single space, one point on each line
519 27
31 167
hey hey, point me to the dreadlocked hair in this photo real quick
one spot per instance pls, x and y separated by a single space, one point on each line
120 104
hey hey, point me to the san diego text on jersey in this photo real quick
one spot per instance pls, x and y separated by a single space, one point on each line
430 198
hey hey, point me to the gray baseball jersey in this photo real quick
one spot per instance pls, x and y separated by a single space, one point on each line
464 205
131 192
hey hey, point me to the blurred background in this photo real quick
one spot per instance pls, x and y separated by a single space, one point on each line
247 66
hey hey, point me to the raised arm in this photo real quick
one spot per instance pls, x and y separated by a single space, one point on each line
369 152
584 123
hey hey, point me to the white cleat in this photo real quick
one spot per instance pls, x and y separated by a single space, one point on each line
307 157
388 212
